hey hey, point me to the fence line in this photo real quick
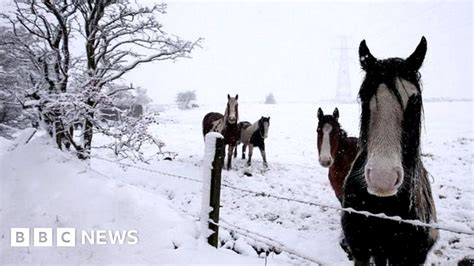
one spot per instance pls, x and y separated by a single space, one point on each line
148 170
349 210
266 240
247 233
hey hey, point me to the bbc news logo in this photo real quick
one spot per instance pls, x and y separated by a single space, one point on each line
66 237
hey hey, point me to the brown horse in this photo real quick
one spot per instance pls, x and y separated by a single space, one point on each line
226 124
336 150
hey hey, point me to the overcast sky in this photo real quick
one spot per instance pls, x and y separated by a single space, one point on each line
290 48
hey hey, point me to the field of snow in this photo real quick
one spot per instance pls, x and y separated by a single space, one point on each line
42 187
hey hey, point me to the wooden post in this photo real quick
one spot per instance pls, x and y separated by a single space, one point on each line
215 195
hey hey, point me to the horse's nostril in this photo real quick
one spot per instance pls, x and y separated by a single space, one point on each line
399 172
325 163
367 173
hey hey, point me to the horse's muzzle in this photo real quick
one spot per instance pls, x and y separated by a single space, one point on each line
383 182
325 162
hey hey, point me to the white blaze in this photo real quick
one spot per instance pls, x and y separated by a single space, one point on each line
325 154
384 161
265 130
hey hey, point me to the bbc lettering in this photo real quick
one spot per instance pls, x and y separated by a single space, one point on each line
66 237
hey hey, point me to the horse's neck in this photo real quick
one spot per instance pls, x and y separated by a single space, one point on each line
231 126
252 128
345 149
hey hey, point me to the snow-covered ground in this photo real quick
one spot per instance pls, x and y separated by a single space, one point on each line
42 187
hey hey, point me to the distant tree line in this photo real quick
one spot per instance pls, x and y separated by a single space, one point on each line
186 100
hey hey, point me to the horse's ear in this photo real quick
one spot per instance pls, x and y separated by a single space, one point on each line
415 60
320 113
268 118
335 114
236 97
228 97
367 60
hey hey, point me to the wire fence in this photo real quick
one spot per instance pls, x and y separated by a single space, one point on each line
270 242
398 219
257 237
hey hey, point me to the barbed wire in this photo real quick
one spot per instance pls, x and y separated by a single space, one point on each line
266 240
341 209
230 227
147 169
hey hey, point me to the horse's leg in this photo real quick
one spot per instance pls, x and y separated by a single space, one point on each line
235 151
264 157
244 147
229 157
249 161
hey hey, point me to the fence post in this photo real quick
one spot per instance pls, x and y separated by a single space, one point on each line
215 195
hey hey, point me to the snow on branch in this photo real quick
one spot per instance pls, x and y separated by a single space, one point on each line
121 36
69 90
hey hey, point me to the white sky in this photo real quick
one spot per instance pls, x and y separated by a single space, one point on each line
288 48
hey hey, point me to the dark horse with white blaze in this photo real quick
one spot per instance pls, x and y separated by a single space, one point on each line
226 124
336 150
388 175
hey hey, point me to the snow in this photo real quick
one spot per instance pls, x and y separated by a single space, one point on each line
209 153
5 144
43 187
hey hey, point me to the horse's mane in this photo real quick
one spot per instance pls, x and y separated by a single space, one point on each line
342 132
254 127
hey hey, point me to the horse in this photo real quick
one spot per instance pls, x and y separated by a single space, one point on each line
335 149
387 175
254 135
226 124
242 125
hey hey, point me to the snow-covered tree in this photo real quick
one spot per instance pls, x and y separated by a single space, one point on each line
270 99
185 99
68 90
14 76
40 32
142 97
